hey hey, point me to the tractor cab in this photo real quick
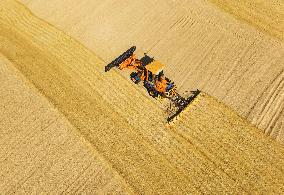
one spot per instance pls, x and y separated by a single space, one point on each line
147 71
155 67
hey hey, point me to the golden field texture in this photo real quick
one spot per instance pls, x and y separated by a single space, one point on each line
103 120
40 151
266 16
233 50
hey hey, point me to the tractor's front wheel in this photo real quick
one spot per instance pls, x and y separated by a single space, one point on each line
135 77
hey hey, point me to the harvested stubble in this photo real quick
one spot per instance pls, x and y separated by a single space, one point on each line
209 150
40 151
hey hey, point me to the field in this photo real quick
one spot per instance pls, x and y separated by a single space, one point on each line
41 152
202 45
70 127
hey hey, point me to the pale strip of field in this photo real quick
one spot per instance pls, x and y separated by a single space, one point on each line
202 46
40 151
128 128
267 16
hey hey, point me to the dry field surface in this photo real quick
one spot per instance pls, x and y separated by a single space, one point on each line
97 132
40 151
233 50
266 16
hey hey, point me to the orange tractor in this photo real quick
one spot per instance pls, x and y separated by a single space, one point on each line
150 72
